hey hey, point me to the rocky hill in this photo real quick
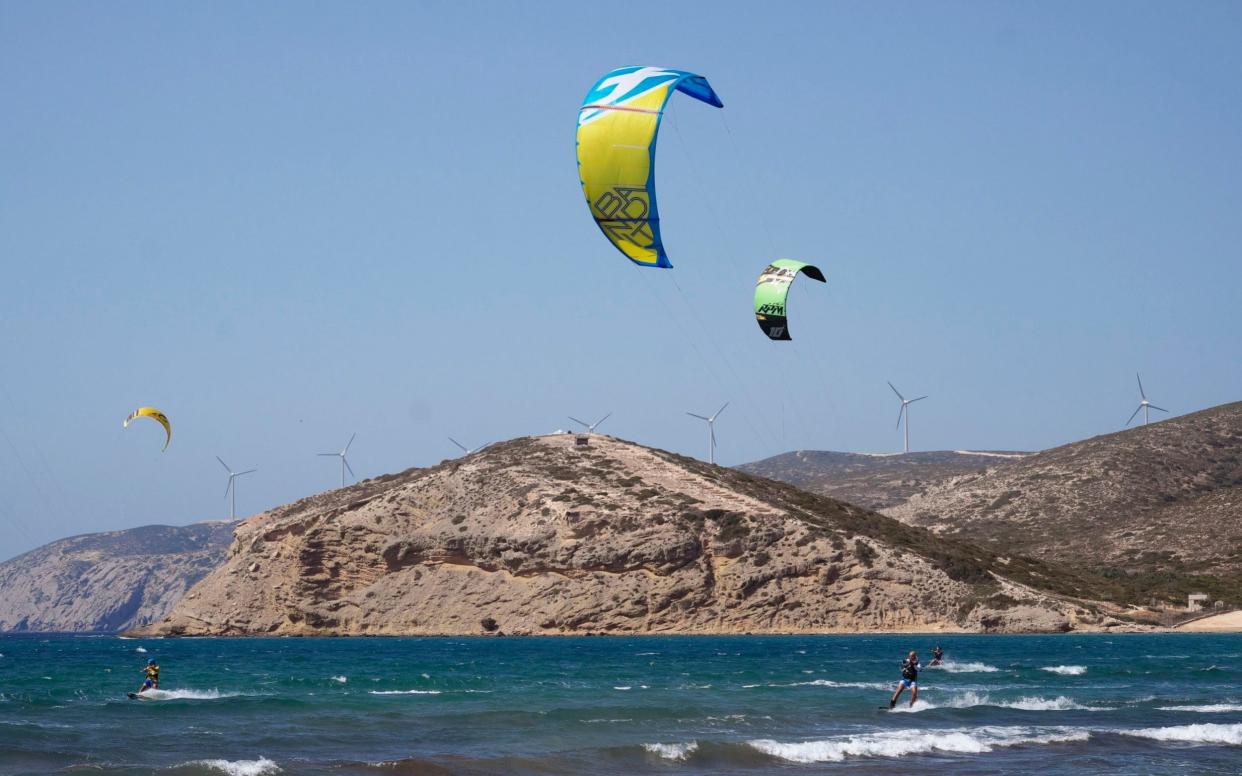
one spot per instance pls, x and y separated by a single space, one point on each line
108 581
874 481
543 536
1161 503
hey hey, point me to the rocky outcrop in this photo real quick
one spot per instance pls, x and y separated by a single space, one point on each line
108 582
544 536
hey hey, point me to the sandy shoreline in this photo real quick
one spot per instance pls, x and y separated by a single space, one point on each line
1229 621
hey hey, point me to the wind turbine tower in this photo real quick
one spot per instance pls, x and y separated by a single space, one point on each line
231 490
904 413
1144 405
344 463
590 427
711 431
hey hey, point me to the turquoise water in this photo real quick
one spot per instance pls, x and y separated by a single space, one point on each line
1110 704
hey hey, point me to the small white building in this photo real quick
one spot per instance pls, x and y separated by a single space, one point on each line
1195 602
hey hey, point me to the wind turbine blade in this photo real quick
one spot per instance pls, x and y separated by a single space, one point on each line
899 396
1154 407
722 409
225 465
248 471
345 461
700 417
331 454
601 420
228 487
712 433
580 422
900 411
459 444
350 442
912 401
1136 411
1140 382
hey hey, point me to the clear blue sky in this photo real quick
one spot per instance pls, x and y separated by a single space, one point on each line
286 222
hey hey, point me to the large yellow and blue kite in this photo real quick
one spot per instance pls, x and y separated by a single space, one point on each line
617 126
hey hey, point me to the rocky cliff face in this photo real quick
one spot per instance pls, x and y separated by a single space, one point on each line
542 536
108 581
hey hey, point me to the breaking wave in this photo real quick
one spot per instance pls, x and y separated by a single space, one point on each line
259 767
1065 670
672 751
405 692
1211 708
1193 734
898 743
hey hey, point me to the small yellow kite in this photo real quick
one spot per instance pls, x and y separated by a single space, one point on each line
154 414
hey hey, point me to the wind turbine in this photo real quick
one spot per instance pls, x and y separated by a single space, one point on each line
231 489
590 427
904 412
344 463
465 450
1144 405
711 431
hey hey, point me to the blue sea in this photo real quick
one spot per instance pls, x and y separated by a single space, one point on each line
1089 704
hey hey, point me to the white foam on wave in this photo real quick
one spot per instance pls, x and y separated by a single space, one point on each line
898 743
828 683
340 679
623 687
140 649
966 668
188 695
259 767
1065 670
1208 733
905 707
1210 708
405 692
971 699
675 752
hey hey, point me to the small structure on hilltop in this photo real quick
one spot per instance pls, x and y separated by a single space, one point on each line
1195 602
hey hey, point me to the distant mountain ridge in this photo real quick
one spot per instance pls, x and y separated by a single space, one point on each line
1163 497
873 480
1157 508
108 581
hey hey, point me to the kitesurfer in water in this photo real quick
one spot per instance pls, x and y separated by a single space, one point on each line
937 656
909 679
151 673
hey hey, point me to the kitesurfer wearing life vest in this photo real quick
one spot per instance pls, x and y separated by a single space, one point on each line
152 677
909 678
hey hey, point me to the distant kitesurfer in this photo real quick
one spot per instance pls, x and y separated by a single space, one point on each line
152 677
937 656
909 678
